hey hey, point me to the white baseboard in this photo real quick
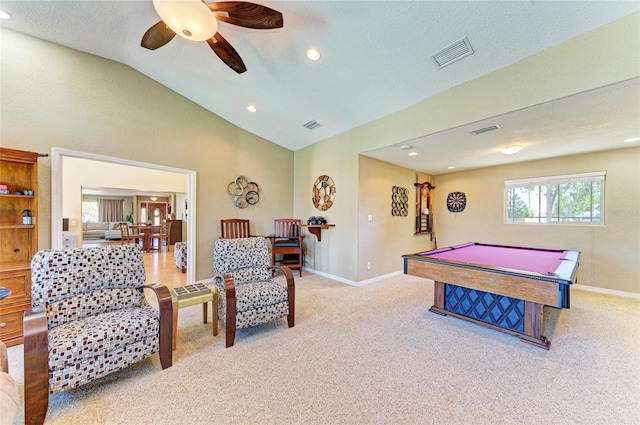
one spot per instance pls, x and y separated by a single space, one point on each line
397 273
351 282
385 276
607 291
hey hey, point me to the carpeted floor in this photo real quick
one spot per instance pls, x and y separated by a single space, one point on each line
375 355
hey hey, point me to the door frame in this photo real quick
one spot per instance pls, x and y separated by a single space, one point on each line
56 197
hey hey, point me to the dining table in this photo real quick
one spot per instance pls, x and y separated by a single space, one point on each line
146 230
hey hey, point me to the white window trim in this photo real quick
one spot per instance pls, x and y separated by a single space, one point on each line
552 180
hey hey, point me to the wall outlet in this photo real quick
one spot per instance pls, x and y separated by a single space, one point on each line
369 217
368 265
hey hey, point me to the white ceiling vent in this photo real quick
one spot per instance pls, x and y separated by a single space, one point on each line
453 52
486 129
312 125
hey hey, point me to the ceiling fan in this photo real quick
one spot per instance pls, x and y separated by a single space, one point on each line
196 20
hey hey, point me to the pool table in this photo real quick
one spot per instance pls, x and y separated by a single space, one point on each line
502 287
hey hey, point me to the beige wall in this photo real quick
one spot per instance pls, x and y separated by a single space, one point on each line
386 238
610 253
53 96
601 57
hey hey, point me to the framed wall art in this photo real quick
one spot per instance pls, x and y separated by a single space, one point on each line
399 201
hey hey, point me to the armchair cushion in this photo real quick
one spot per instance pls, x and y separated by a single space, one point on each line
92 336
247 261
76 283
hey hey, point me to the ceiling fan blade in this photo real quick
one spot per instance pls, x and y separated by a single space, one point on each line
249 15
227 53
157 36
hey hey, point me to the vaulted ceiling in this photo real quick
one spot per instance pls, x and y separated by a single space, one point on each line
375 60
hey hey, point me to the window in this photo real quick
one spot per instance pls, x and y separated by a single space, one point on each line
90 211
574 198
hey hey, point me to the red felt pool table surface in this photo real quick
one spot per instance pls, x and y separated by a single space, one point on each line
537 260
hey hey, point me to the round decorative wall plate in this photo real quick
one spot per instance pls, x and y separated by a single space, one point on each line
456 201
323 193
244 192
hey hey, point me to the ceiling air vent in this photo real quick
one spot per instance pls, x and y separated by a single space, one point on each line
453 52
312 125
486 129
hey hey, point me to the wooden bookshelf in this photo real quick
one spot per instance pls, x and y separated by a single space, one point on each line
19 172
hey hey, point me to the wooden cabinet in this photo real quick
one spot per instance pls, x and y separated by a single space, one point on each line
19 173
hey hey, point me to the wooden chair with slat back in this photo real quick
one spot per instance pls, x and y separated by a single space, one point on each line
233 228
162 235
286 244
128 237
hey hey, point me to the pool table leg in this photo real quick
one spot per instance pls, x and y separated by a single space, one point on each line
438 298
534 325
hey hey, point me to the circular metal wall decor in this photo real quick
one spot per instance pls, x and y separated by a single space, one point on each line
456 201
323 193
399 201
244 192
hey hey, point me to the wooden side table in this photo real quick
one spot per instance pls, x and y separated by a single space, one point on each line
186 296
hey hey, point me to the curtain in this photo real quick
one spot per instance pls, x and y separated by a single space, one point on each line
110 210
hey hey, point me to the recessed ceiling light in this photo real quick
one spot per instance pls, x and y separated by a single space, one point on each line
251 108
405 147
313 54
633 139
413 153
450 167
4 15
510 150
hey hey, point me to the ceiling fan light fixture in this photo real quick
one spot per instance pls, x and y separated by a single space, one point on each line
313 54
510 150
190 19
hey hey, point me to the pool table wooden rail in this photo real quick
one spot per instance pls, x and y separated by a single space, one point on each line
534 289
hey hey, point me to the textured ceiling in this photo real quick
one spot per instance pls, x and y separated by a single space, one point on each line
375 54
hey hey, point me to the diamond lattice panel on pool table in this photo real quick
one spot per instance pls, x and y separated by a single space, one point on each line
490 308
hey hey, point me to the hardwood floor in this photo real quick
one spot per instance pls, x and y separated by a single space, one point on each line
160 268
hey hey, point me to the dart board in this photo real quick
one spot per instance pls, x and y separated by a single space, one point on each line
456 201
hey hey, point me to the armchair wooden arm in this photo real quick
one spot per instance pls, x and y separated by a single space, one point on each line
230 294
36 366
291 293
165 306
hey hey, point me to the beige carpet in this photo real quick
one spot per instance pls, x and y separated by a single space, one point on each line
375 355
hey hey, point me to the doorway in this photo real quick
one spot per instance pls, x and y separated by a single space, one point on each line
57 165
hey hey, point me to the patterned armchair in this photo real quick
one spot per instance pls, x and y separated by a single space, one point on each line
180 256
89 318
248 294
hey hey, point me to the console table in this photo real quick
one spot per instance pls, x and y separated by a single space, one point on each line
317 229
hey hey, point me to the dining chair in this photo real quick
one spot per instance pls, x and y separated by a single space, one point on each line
163 235
286 244
232 228
128 237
